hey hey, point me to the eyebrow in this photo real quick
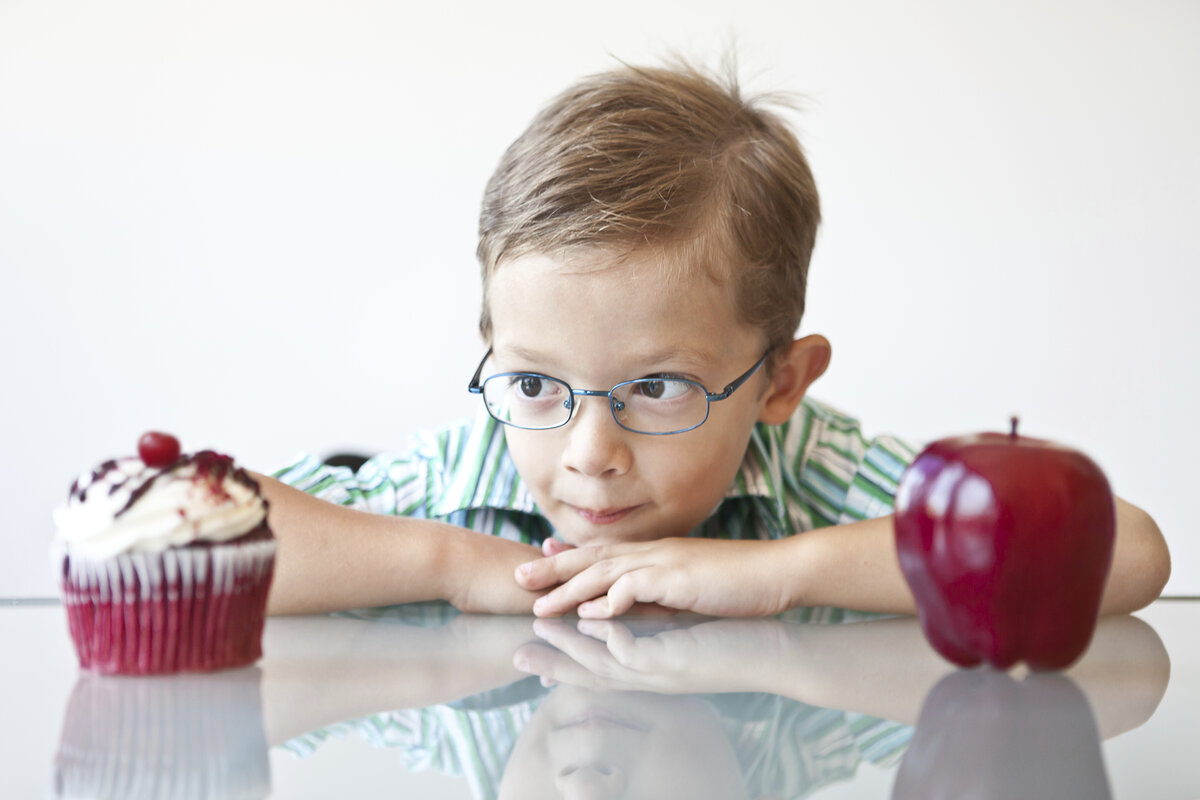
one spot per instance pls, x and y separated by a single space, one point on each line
686 355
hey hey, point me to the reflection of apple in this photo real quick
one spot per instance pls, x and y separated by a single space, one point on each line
1006 543
982 734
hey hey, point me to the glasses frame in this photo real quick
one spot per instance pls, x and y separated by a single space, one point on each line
476 387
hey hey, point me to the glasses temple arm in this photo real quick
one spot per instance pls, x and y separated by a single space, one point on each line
474 386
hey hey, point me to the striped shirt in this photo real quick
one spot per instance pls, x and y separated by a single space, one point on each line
816 469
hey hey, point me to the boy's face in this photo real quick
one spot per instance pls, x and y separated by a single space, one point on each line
594 325
593 745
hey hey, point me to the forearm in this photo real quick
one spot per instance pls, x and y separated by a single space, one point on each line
333 558
881 668
856 566
848 566
885 669
1141 562
322 670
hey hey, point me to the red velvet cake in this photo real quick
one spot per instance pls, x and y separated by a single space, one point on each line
164 562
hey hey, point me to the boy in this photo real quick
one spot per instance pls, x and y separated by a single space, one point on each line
649 232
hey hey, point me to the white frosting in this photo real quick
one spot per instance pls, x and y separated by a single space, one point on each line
99 522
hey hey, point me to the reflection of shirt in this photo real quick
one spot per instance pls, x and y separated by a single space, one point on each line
815 470
472 743
784 747
791 749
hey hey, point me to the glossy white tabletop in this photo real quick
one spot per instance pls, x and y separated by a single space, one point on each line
376 706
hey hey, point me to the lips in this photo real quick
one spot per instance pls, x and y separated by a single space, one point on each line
604 516
600 718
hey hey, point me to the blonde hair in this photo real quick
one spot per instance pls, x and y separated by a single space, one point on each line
669 160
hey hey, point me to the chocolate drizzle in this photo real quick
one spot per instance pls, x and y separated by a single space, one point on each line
98 473
211 470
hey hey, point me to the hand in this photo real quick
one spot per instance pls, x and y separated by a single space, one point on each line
668 656
478 574
706 576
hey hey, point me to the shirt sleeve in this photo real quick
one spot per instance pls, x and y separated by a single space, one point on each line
843 475
386 484
872 489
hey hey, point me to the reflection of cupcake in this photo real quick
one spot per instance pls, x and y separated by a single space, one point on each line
164 562
190 736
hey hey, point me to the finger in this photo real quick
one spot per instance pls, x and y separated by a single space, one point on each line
591 583
552 547
617 636
583 650
630 588
553 665
552 570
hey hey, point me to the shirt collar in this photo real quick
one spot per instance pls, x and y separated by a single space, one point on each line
486 477
761 473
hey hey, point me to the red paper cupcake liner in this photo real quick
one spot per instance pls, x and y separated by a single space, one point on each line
187 609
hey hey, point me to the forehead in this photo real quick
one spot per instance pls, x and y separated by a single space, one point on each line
622 313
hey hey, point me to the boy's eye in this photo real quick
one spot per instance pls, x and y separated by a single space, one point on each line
653 389
662 389
531 386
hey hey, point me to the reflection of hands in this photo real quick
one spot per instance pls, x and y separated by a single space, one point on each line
881 668
680 655
706 576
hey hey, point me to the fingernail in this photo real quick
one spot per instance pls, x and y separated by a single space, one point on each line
526 568
522 664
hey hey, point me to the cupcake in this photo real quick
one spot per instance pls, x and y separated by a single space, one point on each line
191 737
164 562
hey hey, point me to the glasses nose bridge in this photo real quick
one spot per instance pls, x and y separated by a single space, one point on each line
607 395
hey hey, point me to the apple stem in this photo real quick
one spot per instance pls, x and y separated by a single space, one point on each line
1013 420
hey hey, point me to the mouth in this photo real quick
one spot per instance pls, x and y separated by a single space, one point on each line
604 516
602 718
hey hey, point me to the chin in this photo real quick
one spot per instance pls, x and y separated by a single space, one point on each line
612 535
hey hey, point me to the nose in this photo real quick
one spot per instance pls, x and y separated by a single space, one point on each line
596 445
596 781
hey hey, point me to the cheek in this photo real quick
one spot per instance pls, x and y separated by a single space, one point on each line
533 452
697 470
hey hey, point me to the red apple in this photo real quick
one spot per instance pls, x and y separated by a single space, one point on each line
1006 543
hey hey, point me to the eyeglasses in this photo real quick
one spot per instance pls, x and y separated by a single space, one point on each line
654 406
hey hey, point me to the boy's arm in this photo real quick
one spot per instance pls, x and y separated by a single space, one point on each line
323 670
333 558
848 566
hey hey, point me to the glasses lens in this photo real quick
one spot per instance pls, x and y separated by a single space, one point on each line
527 400
653 405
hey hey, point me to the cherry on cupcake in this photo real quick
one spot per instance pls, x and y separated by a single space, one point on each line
158 449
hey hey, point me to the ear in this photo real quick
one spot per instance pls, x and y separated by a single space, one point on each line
805 360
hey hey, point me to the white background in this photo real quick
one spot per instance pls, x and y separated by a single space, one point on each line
252 223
